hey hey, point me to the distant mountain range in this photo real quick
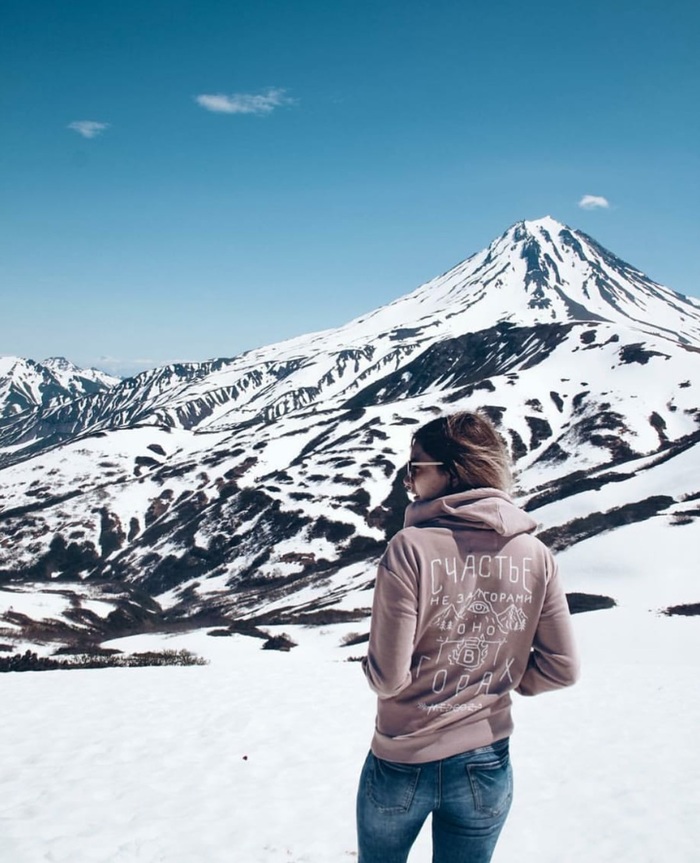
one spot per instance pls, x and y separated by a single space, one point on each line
26 384
262 488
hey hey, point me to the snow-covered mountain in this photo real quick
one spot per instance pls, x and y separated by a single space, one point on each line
263 487
26 384
539 276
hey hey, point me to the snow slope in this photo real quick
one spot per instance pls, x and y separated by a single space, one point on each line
255 757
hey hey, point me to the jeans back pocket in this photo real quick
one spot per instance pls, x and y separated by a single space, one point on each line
391 786
491 780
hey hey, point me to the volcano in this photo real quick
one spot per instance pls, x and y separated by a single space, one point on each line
261 489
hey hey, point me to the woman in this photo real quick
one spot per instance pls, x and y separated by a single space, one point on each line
468 606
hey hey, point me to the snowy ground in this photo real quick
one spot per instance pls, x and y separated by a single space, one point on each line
254 758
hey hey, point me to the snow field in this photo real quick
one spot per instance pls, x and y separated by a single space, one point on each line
255 757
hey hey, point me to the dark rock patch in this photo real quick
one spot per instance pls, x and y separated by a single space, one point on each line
580 602
112 535
493 412
540 430
688 610
353 638
574 483
658 423
579 529
279 642
517 445
333 531
637 353
388 516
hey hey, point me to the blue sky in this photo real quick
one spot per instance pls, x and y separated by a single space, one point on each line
262 169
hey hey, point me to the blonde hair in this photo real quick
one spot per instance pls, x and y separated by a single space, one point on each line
474 453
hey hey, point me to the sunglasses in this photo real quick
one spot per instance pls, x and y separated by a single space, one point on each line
412 465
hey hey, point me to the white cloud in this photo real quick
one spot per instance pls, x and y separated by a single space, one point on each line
129 367
245 103
122 367
88 128
593 202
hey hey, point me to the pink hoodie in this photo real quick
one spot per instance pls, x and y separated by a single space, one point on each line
468 605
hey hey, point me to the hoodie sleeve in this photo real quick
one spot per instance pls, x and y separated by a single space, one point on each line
387 665
553 662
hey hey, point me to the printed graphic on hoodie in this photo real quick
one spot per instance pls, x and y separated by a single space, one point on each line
472 642
473 624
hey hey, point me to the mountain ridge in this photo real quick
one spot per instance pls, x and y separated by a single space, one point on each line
26 384
196 393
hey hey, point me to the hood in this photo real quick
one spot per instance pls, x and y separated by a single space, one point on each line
480 508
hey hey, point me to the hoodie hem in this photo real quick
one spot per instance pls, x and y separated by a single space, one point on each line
444 742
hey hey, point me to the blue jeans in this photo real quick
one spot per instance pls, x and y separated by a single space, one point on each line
469 796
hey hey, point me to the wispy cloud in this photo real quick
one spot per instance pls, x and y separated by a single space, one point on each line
593 202
129 367
124 367
88 128
245 103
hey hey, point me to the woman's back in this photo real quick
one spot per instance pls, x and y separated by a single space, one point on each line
471 585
